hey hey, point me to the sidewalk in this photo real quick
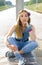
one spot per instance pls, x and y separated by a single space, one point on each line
38 53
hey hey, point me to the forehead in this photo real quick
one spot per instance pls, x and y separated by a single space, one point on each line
23 13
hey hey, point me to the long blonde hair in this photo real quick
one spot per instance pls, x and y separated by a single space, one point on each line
19 24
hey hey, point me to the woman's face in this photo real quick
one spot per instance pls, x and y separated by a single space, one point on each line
24 19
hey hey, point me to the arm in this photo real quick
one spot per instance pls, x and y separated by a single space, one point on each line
12 29
32 34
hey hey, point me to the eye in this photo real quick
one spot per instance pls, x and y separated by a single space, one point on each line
26 15
21 16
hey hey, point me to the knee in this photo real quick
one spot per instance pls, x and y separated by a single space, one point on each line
35 43
6 41
9 38
12 44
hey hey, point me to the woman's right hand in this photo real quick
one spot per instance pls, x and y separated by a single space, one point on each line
12 47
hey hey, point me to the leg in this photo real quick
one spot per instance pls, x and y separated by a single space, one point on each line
14 47
16 52
11 44
29 47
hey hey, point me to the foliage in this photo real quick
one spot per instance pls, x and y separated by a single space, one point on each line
35 7
8 3
2 2
5 7
26 3
35 1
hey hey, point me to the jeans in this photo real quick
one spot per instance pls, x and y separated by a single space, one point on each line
27 46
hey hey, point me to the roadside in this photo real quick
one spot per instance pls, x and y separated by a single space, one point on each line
35 7
7 18
5 7
4 60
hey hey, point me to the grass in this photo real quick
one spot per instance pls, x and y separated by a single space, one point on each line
35 7
4 7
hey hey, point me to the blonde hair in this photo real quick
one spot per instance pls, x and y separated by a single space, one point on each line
19 24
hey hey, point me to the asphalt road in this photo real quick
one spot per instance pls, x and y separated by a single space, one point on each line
8 18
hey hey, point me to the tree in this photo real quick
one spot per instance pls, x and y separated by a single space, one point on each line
26 3
2 2
39 1
34 1
8 3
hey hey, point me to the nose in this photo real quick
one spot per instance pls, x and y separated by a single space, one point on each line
25 22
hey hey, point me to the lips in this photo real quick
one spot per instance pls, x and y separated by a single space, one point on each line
25 24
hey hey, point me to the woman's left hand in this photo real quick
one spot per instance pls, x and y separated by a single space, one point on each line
32 34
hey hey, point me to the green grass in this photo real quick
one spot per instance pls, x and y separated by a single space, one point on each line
4 7
35 7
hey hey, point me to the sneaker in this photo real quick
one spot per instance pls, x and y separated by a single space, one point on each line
10 54
21 62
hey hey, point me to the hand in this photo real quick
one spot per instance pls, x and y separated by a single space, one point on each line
13 47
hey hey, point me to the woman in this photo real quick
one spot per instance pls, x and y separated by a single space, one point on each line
25 37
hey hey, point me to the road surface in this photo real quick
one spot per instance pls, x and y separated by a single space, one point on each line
8 18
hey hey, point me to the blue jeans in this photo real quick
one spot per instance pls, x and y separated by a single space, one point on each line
27 46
